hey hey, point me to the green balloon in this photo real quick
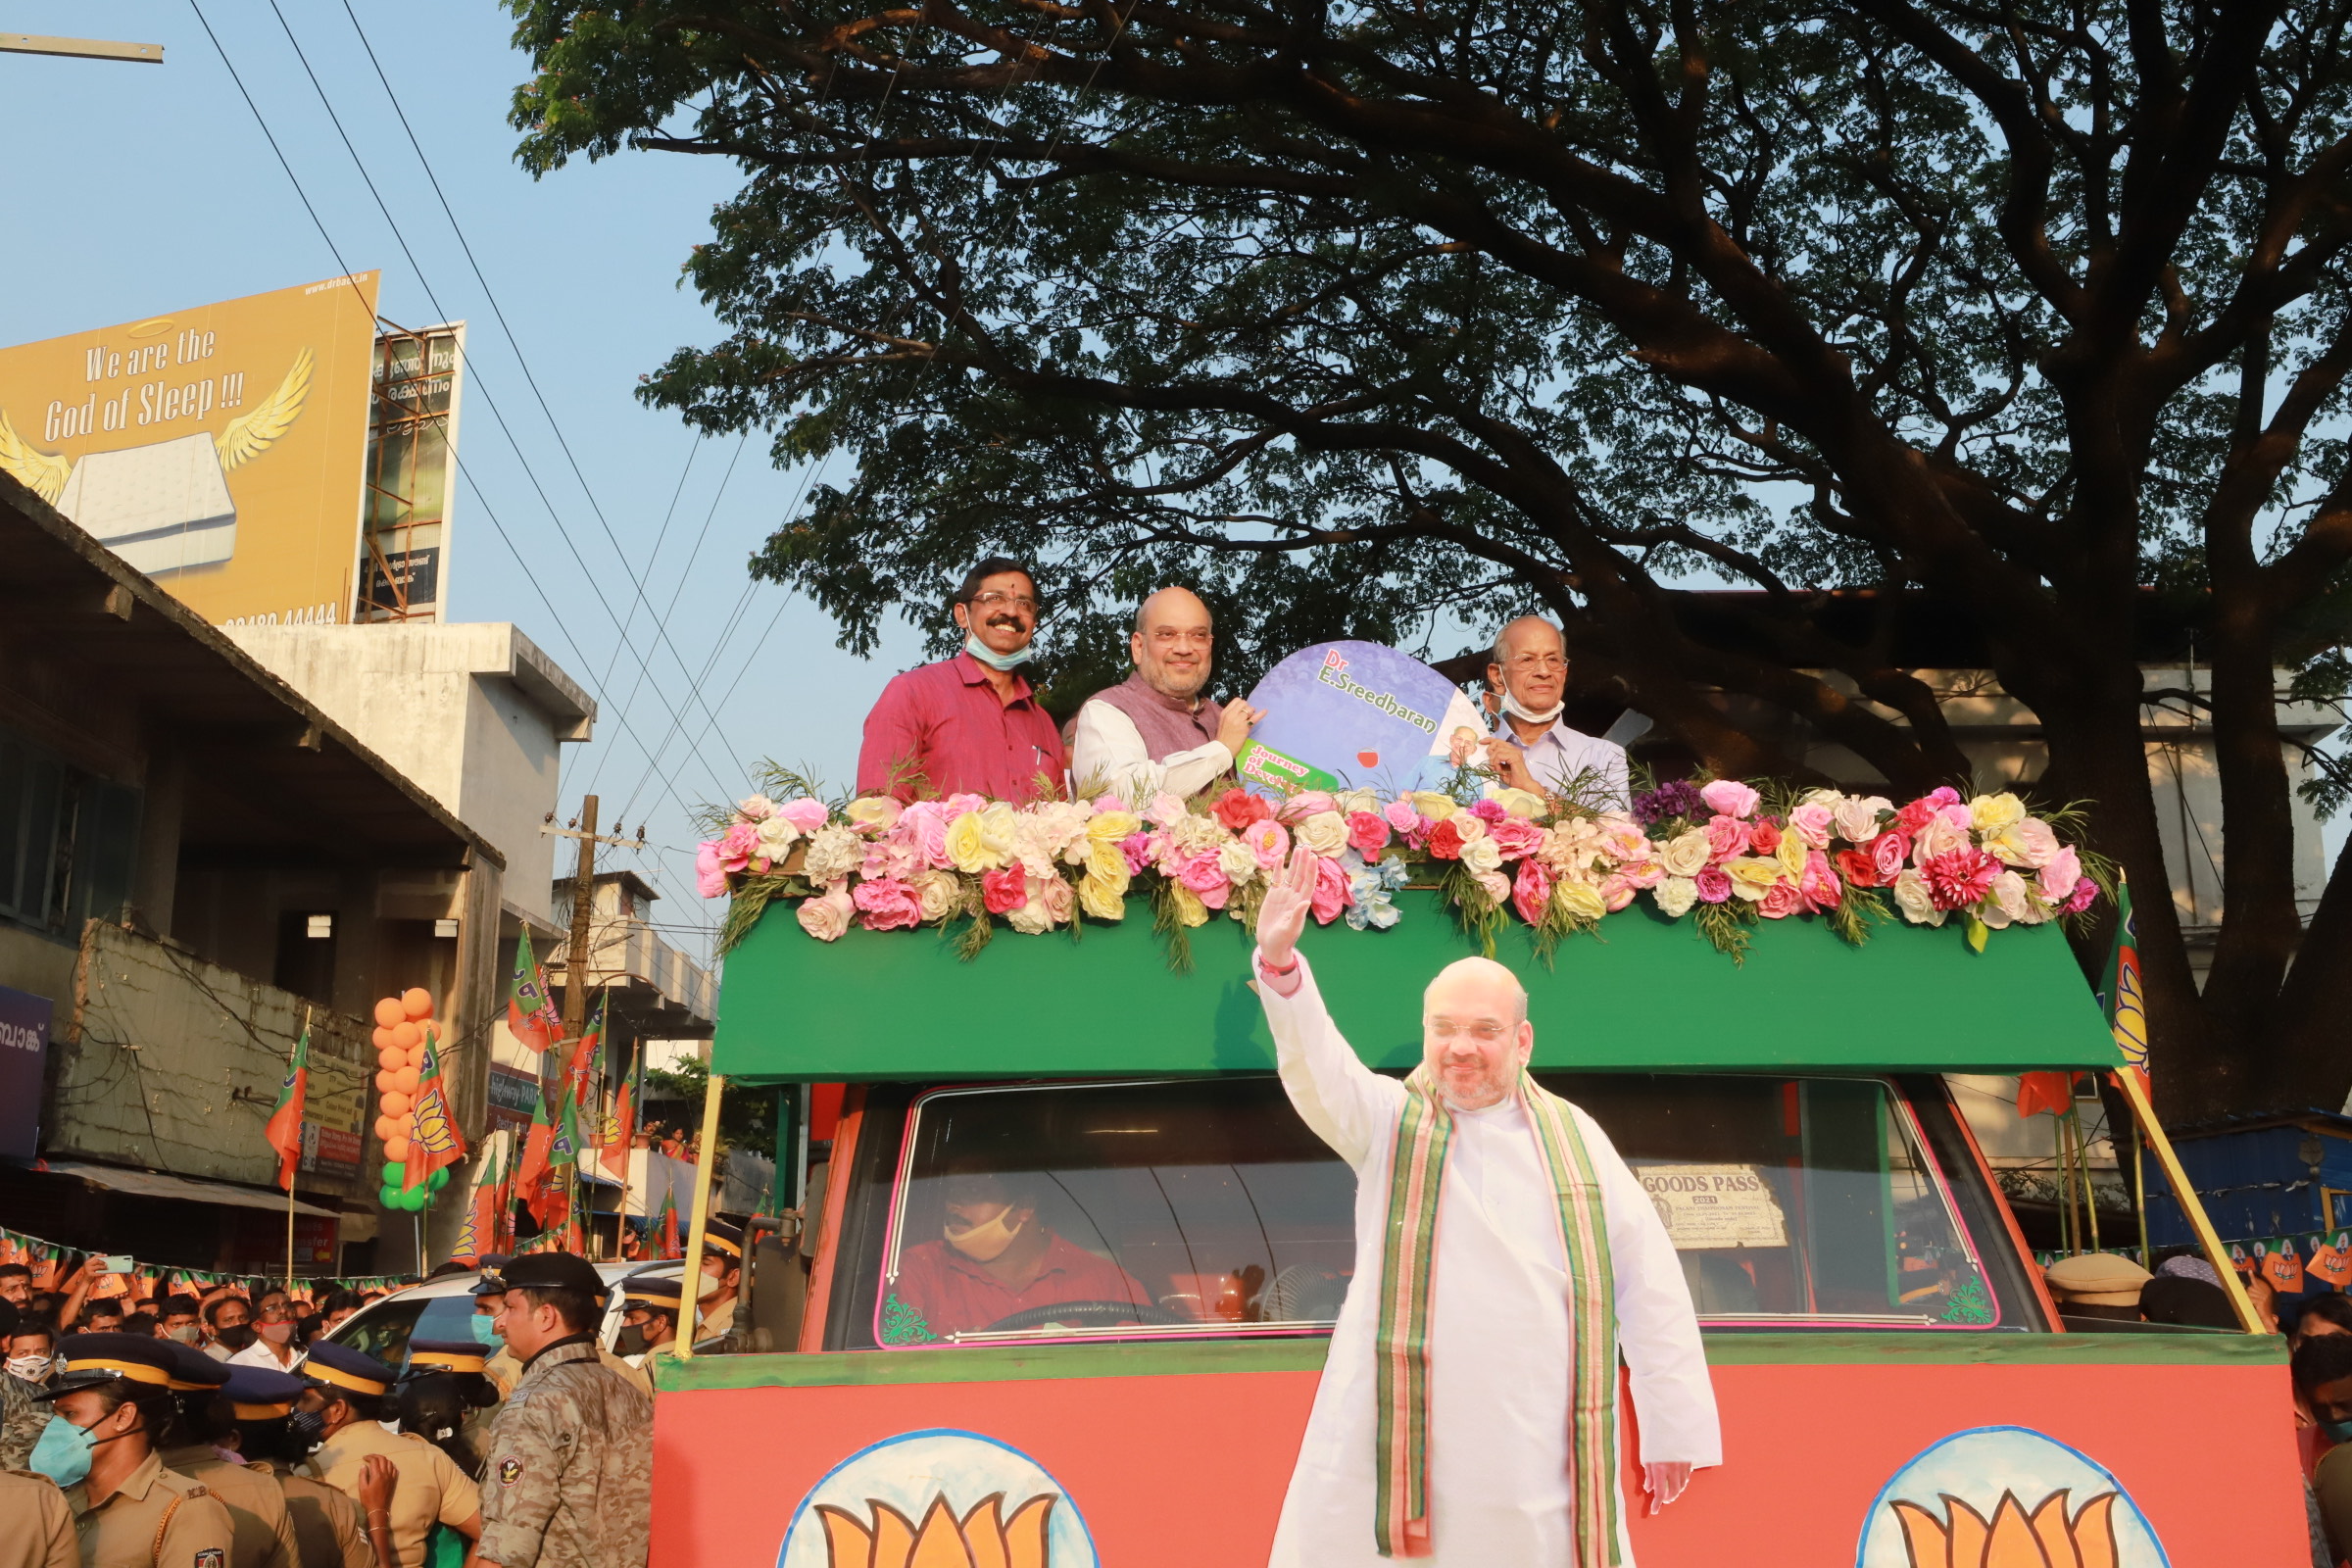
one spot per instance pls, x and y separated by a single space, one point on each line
389 1196
439 1179
392 1172
414 1198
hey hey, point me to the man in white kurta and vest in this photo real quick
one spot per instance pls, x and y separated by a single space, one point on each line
1158 731
1505 1259
1532 748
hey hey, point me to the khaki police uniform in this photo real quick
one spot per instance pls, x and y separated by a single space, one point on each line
36 1527
329 1529
157 1518
568 1479
256 1505
432 1490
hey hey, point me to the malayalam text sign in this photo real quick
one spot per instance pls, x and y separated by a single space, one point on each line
23 1048
218 450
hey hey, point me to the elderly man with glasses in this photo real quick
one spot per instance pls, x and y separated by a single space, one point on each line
971 724
1532 748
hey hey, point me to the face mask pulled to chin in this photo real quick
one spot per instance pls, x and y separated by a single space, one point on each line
985 1242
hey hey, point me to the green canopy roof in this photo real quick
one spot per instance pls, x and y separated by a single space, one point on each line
1645 993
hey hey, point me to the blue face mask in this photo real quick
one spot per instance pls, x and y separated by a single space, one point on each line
485 1331
63 1453
2338 1431
987 655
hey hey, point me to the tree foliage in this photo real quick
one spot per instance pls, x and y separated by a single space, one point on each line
1378 315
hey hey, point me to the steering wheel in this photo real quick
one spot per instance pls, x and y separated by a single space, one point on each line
1088 1312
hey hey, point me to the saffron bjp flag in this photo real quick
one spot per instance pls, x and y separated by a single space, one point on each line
581 1074
537 1145
551 1199
433 1137
665 1225
2331 1258
479 1226
2283 1264
285 1131
621 1128
2122 996
530 1012
2039 1092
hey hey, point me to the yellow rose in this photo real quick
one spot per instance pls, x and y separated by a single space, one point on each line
1519 803
1752 875
973 844
1791 854
1347 800
874 811
1113 826
1580 900
1432 804
1101 898
1190 910
1990 812
1106 864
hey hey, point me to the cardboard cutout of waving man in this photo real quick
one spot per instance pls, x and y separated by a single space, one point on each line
1505 1259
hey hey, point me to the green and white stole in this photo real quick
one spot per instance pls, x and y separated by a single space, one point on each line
1423 1135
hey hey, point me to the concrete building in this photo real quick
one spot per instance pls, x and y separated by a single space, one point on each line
197 862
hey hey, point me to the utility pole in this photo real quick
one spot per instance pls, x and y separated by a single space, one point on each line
583 897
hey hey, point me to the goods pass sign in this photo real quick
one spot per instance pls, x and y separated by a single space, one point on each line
218 449
1707 1206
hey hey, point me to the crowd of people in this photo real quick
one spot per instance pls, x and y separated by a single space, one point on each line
189 1432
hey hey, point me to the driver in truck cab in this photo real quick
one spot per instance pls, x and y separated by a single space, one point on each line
993 1258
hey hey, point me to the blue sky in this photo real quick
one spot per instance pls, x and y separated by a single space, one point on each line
138 189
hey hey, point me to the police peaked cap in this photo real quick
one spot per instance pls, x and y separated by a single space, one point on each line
262 1392
93 1360
493 1281
444 1356
722 1238
662 1295
338 1369
554 1271
193 1371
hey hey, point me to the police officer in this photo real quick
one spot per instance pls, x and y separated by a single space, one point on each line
440 1398
722 1279
256 1506
504 1368
110 1410
348 1390
649 1317
568 1482
331 1530
36 1528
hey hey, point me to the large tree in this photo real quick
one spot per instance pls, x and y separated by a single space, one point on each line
1388 313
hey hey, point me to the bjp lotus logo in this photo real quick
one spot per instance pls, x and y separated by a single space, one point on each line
982 1539
2006 1497
938 1499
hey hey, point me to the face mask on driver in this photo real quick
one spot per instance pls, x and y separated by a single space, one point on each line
985 1242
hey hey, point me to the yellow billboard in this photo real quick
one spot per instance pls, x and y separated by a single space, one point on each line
218 450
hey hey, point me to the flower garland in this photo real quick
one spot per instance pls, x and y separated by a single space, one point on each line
1722 852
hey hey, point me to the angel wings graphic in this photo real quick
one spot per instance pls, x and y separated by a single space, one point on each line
240 441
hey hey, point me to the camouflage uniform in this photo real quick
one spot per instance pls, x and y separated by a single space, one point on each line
22 1417
568 1479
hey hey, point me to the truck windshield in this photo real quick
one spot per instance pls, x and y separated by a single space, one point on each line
1190 1209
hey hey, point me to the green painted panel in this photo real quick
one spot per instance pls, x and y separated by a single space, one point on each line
999 1364
1646 994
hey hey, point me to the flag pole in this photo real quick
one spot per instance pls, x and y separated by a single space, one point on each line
294 1168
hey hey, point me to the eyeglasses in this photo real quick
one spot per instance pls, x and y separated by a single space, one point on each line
1486 1033
1539 662
993 600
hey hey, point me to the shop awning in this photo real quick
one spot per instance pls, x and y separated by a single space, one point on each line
182 1189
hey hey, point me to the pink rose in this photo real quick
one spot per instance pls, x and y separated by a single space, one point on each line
1713 886
1057 896
1942 795
1959 877
1514 836
1813 824
1166 809
1106 803
827 916
1960 816
1819 887
1531 890
2033 842
1643 874
925 826
804 813
1730 798
1199 873
1005 889
1727 836
1367 833
2059 876
1779 902
710 877
1914 816
1402 818
1331 896
955 806
1305 804
1268 841
1497 885
887 904
737 845
888 862
2084 891
1143 851
1888 852
1488 812
1616 892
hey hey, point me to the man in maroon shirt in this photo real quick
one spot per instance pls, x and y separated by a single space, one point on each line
971 724
995 1258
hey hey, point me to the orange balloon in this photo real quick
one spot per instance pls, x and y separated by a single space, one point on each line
396 1150
383 1082
388 1128
404 1080
395 1103
384 1038
406 1036
417 1002
389 1011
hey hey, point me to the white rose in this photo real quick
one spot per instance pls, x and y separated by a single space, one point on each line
1675 895
1482 855
754 808
1858 816
940 893
1828 797
777 837
1237 862
1325 833
1939 836
1519 803
1434 805
1683 856
1347 800
2010 895
834 851
1911 896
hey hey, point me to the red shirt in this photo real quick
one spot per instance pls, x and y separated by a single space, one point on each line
946 720
956 1295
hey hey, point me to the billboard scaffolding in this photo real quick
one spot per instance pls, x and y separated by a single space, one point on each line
411 473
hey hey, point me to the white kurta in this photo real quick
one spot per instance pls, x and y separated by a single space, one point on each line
1106 748
1499 1333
